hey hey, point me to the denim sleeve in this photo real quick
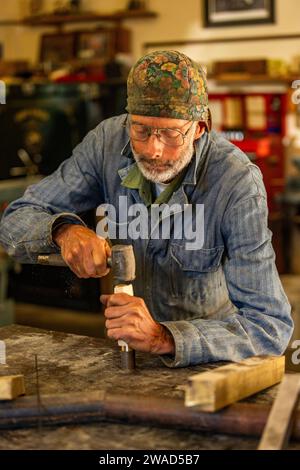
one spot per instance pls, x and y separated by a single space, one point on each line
75 187
262 324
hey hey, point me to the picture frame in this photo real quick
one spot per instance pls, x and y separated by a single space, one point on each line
95 44
57 48
220 13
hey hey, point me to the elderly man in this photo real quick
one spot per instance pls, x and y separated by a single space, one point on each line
217 299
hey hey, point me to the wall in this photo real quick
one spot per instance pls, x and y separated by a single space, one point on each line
178 20
22 42
183 20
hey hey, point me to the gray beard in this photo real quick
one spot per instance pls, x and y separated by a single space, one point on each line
172 168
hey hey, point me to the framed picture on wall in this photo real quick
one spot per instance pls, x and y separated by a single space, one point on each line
97 44
57 48
238 12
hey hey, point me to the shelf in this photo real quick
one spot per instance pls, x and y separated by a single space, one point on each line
60 20
10 23
251 79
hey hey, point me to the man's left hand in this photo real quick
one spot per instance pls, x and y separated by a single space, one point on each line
128 318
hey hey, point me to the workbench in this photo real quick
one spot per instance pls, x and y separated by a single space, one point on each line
70 363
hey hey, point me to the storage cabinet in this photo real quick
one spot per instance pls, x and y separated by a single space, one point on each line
255 121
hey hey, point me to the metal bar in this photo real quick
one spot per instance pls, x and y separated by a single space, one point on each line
86 407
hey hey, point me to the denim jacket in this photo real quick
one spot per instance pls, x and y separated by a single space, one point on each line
220 301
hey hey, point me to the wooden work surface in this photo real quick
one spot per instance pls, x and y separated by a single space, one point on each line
71 363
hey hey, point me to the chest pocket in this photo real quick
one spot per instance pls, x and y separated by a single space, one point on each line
196 274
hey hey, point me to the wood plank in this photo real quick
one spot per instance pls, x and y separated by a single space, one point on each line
282 416
11 386
212 390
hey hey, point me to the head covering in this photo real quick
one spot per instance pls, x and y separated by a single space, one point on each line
168 84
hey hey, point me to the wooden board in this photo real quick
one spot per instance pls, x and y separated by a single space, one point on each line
281 419
213 390
11 386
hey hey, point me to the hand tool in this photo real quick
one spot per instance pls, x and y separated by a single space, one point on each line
55 259
122 263
123 268
282 416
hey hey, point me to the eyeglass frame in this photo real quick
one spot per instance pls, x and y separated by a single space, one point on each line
155 131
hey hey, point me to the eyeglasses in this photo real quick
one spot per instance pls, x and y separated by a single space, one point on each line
171 137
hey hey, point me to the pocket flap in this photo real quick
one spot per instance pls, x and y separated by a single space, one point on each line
204 260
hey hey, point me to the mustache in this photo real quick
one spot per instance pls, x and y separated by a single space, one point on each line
153 163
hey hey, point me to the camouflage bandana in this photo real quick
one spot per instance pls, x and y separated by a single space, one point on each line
168 84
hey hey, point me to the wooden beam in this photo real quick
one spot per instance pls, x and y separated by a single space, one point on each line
11 386
212 390
282 416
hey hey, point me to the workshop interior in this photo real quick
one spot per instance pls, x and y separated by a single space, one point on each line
63 69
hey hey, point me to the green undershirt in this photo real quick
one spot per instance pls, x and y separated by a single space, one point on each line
136 180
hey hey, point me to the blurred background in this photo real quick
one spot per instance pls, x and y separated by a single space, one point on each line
63 68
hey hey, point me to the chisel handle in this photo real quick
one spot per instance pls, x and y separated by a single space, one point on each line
127 354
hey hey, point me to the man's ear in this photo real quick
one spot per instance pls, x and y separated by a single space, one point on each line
200 129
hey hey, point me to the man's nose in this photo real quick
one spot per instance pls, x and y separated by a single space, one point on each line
154 147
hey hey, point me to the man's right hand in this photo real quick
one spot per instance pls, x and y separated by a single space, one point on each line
84 252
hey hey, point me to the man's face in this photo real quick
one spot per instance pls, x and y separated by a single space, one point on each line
159 162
